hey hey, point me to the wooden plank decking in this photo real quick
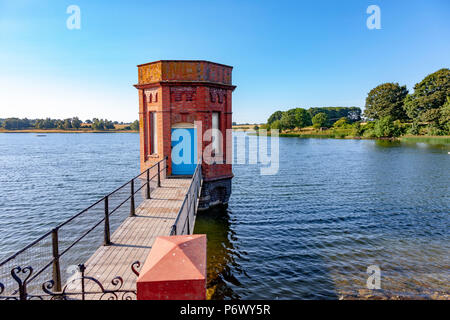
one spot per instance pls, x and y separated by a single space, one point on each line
134 238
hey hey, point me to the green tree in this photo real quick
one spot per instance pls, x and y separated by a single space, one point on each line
335 113
302 118
76 123
275 116
108 124
276 125
342 122
49 123
414 129
385 127
135 125
16 123
288 119
386 100
320 120
67 124
97 125
354 114
444 120
10 123
357 129
431 93
38 124
431 116
60 124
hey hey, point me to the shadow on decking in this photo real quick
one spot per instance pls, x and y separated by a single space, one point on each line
154 217
163 199
123 245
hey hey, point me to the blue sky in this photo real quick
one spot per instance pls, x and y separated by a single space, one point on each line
285 53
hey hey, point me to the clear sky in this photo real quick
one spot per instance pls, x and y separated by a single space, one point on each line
285 53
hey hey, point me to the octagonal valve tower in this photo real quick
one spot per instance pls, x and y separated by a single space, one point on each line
193 95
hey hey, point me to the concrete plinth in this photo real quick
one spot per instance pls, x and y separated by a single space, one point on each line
175 269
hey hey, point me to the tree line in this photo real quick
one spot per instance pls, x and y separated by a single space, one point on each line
428 105
65 124
390 110
317 117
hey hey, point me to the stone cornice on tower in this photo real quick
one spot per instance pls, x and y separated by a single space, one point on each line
184 72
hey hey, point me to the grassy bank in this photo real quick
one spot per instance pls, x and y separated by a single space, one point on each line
334 134
348 134
313 133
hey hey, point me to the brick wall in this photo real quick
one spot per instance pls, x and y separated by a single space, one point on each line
187 91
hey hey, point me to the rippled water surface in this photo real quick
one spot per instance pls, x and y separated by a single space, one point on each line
335 208
44 180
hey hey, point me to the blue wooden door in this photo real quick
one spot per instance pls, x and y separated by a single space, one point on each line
184 151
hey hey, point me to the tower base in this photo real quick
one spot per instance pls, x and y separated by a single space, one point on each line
215 192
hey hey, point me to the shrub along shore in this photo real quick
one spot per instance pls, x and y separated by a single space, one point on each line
347 134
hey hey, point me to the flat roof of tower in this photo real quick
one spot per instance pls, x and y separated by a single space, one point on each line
219 64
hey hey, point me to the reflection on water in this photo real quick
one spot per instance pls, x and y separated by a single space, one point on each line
222 266
388 143
438 144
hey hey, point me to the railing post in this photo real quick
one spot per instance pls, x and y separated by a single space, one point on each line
148 183
195 198
82 269
188 214
56 267
107 239
132 208
159 174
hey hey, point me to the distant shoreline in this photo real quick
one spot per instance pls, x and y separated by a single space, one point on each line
325 135
66 131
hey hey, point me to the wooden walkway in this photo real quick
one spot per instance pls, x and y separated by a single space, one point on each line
134 238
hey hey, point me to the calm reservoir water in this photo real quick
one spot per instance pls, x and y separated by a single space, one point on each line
334 208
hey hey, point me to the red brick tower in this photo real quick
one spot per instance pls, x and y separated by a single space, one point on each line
186 94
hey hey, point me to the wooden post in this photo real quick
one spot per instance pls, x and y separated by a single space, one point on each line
148 183
132 209
56 267
107 239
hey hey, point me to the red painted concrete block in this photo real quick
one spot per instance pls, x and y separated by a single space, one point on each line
175 269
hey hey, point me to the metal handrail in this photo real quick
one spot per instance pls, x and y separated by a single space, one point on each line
54 232
196 181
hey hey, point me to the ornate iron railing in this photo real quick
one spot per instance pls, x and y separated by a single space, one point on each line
74 289
44 258
184 223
